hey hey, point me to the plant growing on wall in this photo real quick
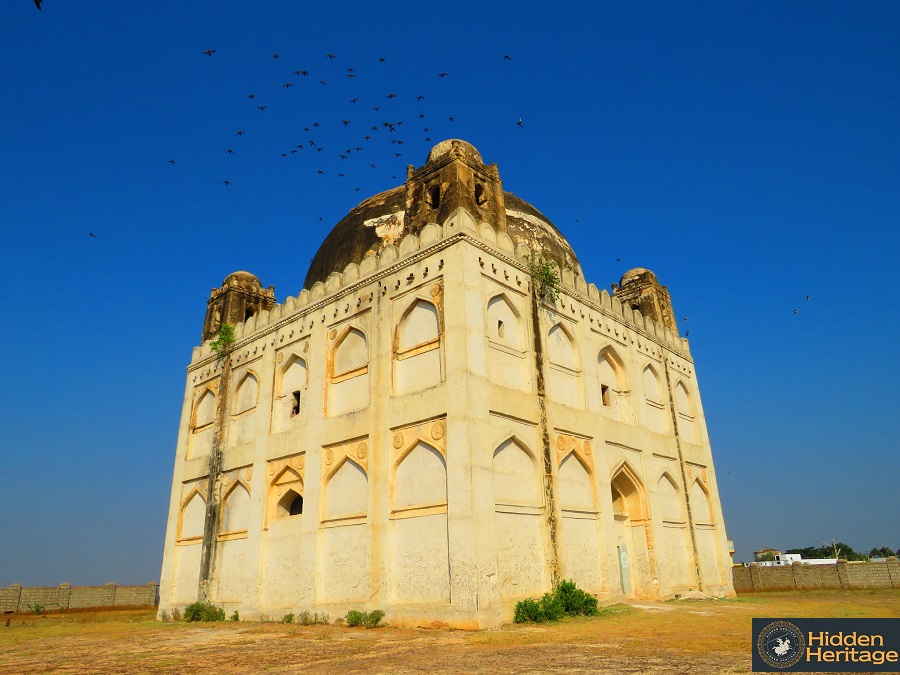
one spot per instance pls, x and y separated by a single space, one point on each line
224 339
545 277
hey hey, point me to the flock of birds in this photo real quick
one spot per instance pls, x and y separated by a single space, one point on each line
374 127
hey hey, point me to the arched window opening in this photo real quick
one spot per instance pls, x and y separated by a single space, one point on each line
249 313
479 194
296 507
295 404
434 196
604 394
499 328
291 504
635 306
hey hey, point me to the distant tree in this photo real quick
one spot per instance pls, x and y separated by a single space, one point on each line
883 552
765 557
843 551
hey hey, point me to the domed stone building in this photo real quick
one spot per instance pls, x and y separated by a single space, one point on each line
427 431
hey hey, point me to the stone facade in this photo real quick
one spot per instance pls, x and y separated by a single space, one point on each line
419 432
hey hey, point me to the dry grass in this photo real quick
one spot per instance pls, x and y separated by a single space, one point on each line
676 637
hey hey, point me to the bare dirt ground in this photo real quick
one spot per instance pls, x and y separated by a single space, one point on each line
701 636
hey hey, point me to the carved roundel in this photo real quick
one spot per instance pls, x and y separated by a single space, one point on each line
280 357
560 442
332 334
271 469
249 474
305 347
329 456
587 448
437 430
362 450
436 290
301 461
398 440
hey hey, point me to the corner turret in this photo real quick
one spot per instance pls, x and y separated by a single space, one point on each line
240 297
640 289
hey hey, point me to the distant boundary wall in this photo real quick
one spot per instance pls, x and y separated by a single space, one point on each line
848 576
17 598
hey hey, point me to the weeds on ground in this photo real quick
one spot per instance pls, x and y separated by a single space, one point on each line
235 616
287 618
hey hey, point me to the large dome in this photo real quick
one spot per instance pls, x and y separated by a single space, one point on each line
384 218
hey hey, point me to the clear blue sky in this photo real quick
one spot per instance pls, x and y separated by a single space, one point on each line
747 152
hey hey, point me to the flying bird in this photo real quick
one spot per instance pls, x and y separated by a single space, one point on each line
320 172
686 333
345 122
284 154
795 311
421 116
398 154
685 317
618 260
322 82
368 138
251 96
807 298
320 149
294 152
91 233
353 100
171 161
226 182
391 96
343 156
229 151
373 166
316 124
330 57
240 133
287 84
349 70
262 107
381 60
449 119
208 52
507 57
443 75
37 3
519 123
350 75
427 139
275 56
376 109
419 98
306 129
340 175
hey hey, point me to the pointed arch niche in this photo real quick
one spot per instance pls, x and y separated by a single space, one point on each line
673 550
285 498
244 406
507 340
684 410
653 413
708 548
344 534
234 521
420 548
519 521
291 384
564 367
202 418
613 394
417 353
348 371
579 523
192 519
630 516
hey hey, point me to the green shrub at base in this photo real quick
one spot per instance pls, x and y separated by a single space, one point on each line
203 611
354 618
566 600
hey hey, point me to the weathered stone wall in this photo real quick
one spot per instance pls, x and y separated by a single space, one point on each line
848 576
16 598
